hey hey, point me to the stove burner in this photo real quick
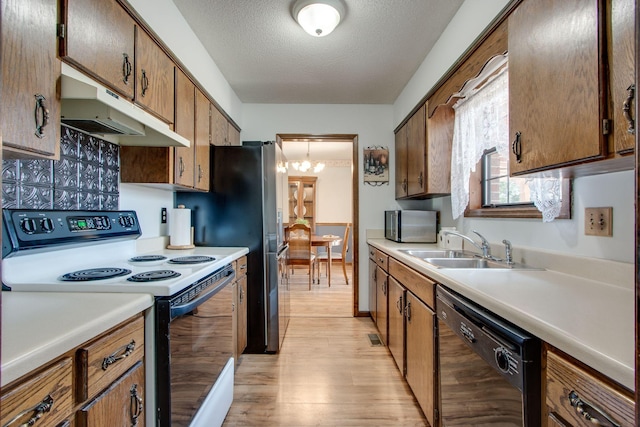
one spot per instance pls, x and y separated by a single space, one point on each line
94 274
153 276
147 258
193 259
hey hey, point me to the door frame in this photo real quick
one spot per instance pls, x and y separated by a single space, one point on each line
297 137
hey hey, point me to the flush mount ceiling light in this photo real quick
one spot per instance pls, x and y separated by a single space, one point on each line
318 17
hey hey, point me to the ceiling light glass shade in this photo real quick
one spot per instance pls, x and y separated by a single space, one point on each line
318 18
318 167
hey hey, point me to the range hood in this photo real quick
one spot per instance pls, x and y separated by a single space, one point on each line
92 108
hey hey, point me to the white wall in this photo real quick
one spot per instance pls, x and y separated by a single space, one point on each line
147 202
374 126
334 193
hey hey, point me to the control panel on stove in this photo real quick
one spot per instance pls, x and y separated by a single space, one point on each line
30 229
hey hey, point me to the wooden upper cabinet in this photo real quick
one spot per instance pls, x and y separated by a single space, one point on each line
223 132
416 152
401 162
154 77
185 126
621 60
233 135
439 144
99 39
555 77
202 141
30 76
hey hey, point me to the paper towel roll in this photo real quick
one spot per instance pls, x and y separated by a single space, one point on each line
180 227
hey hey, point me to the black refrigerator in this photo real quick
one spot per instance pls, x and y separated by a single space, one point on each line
245 207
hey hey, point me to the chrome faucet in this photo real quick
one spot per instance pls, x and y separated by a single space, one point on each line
484 246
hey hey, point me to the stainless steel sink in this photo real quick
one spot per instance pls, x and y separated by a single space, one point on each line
476 263
436 253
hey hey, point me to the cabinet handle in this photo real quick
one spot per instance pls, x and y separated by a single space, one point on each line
38 411
41 114
399 305
404 185
181 167
145 83
408 312
583 408
420 179
516 147
199 173
384 288
241 294
626 109
135 406
126 68
124 351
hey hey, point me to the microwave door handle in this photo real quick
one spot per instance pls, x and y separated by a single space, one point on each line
179 310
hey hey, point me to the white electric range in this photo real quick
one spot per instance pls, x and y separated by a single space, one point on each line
95 251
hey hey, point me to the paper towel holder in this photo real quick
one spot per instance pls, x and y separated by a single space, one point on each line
190 245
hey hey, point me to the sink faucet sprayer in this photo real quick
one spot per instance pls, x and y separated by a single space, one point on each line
508 257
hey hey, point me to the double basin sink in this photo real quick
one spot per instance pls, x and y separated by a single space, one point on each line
446 258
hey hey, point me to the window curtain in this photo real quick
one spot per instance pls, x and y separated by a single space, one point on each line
481 123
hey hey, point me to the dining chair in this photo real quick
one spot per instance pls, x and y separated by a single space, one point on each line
299 238
341 256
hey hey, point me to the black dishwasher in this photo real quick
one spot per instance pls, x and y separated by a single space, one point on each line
489 369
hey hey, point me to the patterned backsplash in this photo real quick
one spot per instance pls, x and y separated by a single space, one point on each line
86 177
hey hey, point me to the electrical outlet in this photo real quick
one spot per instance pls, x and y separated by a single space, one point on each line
598 221
163 215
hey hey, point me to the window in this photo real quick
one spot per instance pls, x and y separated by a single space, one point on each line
498 189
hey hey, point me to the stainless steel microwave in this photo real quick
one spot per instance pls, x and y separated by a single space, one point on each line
411 226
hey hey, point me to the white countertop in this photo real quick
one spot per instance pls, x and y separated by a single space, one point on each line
37 327
591 320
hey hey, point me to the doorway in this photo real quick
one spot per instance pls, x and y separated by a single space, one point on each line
305 144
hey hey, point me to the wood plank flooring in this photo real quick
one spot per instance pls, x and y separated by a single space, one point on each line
327 372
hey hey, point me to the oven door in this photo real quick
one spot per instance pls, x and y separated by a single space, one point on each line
194 377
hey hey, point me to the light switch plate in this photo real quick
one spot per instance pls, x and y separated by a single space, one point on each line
598 221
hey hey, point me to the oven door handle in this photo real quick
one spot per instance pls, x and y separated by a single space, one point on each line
180 310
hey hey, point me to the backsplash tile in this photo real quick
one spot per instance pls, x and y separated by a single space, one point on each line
85 177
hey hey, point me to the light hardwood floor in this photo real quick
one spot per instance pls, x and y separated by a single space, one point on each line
327 373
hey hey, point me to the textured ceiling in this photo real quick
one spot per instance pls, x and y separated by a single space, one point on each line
267 58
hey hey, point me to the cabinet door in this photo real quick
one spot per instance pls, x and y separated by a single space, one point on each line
30 73
395 337
219 128
99 39
373 290
554 83
417 153
420 351
233 135
121 404
155 77
202 142
623 98
242 315
382 302
401 162
439 142
185 125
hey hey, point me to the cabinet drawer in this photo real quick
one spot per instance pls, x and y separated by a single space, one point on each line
381 259
105 359
241 266
372 253
421 286
51 388
574 393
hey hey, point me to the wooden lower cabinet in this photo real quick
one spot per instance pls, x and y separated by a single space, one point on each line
99 383
395 337
578 396
420 354
373 290
382 302
240 308
121 404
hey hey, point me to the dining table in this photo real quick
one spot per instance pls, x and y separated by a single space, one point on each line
326 241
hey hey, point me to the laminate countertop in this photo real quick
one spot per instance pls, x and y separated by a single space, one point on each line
592 319
37 327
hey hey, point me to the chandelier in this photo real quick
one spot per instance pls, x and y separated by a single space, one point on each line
306 164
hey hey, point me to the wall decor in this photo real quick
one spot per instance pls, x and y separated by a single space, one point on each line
86 177
376 165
